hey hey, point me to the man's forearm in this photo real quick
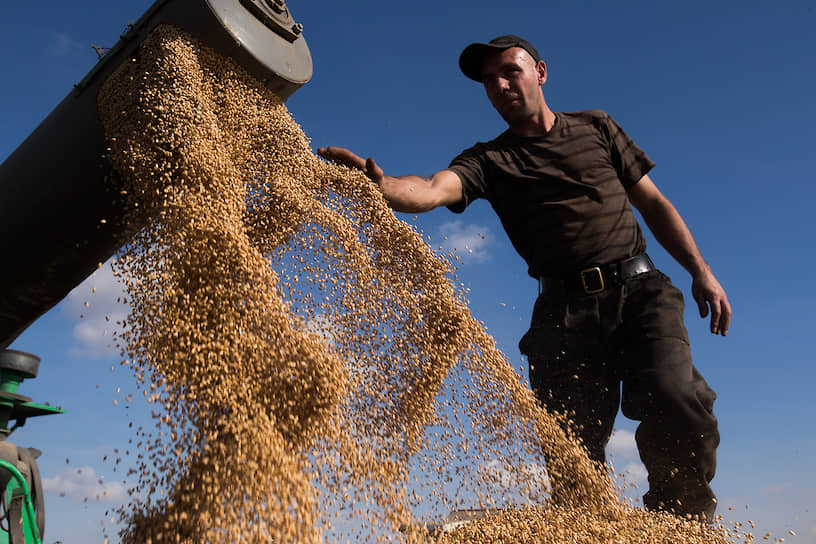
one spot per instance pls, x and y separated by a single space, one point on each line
667 225
409 194
414 194
673 234
671 231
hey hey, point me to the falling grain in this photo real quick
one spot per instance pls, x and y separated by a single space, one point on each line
314 372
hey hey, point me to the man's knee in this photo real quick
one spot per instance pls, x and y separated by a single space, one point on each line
668 390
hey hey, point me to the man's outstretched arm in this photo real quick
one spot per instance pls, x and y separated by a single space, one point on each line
671 231
410 194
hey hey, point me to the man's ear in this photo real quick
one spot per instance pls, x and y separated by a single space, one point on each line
541 68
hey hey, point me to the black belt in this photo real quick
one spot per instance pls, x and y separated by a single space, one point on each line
598 278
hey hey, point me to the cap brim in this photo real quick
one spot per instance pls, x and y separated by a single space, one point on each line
472 58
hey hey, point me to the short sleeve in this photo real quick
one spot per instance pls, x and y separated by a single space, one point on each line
470 167
629 160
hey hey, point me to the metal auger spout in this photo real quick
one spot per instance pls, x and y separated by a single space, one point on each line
60 211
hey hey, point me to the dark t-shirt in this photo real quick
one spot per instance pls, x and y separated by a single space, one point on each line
561 197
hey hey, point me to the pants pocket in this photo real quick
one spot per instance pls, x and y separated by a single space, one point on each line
543 339
541 342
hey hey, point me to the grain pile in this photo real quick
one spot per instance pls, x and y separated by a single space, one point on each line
315 373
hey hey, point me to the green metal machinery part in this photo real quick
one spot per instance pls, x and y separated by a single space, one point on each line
23 512
19 508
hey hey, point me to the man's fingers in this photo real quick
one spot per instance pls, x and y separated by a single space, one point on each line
725 318
343 156
373 170
715 316
326 152
708 292
701 305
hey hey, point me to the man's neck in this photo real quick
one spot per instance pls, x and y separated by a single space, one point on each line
539 125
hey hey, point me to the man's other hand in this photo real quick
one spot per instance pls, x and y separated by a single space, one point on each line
708 292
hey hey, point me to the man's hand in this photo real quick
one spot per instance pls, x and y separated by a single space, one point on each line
343 156
707 291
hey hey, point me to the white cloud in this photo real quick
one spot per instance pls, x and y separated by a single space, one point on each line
622 445
623 456
96 302
469 241
63 45
83 483
635 473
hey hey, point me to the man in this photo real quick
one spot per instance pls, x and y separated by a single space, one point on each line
562 184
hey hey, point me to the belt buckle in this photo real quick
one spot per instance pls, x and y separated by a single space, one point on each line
597 271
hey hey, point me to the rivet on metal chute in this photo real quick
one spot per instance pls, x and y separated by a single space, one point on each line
275 15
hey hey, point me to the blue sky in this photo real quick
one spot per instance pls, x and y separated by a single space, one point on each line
719 94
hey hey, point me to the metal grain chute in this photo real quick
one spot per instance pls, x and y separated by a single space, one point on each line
60 212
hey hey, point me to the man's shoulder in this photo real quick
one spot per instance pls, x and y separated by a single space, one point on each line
502 140
584 116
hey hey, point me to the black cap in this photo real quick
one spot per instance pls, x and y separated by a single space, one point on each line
471 59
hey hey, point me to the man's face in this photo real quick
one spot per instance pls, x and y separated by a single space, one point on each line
513 82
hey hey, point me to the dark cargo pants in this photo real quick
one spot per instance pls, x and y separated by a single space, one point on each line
582 348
